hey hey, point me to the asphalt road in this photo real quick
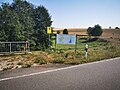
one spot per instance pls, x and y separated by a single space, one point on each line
103 75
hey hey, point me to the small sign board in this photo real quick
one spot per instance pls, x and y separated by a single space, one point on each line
49 30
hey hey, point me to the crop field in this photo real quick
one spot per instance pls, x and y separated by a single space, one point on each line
115 33
112 35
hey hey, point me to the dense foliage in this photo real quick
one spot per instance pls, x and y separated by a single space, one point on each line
65 31
117 28
95 31
22 21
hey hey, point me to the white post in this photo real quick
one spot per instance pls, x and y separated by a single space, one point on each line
86 54
86 51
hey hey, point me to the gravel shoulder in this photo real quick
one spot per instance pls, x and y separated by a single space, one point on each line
33 69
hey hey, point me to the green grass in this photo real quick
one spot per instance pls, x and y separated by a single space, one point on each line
65 54
98 50
58 60
80 44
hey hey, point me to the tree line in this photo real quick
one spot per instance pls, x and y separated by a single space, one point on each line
23 21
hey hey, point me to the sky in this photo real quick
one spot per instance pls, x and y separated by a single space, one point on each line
81 13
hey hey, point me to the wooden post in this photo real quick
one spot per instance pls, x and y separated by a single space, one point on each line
76 46
55 42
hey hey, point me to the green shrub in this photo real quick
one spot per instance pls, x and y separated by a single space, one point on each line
27 65
59 60
40 60
66 55
119 39
102 40
110 48
73 62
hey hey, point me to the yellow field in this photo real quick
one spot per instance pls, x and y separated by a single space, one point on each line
107 33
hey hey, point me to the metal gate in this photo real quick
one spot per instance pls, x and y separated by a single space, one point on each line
9 47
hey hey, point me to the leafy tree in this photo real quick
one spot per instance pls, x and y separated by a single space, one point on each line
25 12
58 32
65 31
21 21
89 31
10 25
3 36
117 28
42 21
95 31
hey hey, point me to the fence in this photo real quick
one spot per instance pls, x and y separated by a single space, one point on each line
14 47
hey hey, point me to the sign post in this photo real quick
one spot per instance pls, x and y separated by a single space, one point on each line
49 30
76 46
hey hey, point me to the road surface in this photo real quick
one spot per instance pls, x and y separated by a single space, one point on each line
102 75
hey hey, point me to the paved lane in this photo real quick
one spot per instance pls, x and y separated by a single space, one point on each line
103 75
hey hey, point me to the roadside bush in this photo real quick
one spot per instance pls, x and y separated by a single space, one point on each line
73 62
59 60
110 48
27 65
40 60
102 40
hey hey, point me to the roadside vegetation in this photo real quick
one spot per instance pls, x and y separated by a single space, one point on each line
99 49
23 21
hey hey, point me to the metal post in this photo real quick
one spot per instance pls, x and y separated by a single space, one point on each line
10 47
49 44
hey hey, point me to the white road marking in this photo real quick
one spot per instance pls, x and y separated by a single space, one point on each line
32 74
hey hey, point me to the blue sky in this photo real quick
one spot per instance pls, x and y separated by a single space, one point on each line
81 13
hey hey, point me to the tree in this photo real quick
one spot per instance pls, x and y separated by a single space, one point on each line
24 10
10 26
89 31
42 21
117 28
21 21
95 31
3 36
65 31
58 32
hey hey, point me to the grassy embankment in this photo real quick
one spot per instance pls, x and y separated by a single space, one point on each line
98 50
